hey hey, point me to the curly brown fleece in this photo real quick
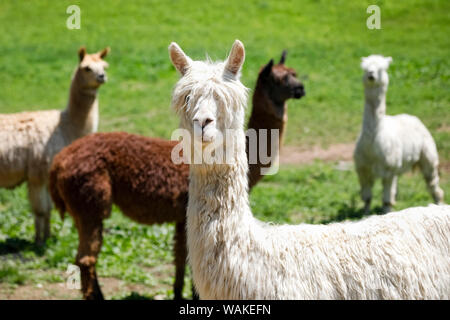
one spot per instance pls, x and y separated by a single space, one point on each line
135 173
132 171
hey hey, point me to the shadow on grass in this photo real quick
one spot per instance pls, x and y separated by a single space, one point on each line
351 212
16 245
136 296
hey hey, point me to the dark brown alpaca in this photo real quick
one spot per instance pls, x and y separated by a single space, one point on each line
275 85
137 174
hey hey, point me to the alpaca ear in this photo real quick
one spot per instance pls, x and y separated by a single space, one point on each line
82 52
389 60
283 57
363 62
104 52
236 58
179 59
267 69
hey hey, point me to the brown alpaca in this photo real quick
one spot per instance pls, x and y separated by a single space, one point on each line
137 174
275 85
29 140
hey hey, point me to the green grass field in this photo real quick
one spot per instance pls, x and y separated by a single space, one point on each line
325 40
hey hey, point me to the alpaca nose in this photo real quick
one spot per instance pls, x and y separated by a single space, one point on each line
299 91
203 122
101 77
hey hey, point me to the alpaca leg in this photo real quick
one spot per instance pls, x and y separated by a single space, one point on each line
366 181
90 243
48 205
38 227
195 295
180 259
389 193
431 176
41 206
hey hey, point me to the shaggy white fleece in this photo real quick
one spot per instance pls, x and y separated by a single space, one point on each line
390 145
403 255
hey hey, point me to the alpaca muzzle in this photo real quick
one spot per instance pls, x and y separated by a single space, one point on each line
204 129
101 78
299 92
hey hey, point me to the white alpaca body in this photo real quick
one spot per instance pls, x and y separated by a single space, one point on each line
396 146
28 143
391 145
23 140
403 255
30 140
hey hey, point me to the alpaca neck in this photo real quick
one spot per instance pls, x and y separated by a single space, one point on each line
218 196
264 117
218 218
81 113
374 108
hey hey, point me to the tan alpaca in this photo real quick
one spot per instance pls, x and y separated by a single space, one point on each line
29 140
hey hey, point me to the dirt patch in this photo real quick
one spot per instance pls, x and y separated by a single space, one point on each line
342 152
444 166
111 287
114 287
46 291
335 152
444 128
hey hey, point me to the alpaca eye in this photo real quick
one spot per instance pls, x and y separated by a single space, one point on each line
87 69
186 100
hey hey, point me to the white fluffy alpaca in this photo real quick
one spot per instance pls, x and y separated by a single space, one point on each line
30 140
390 145
402 255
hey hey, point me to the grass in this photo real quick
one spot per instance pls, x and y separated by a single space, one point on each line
325 40
138 254
10 274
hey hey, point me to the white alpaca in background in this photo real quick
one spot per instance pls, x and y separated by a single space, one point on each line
390 145
402 255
